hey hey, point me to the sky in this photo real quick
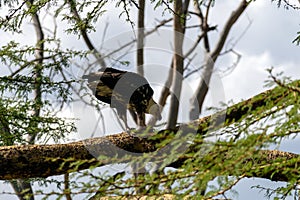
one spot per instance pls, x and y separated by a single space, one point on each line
263 37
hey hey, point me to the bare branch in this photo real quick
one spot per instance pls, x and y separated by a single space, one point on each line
67 186
282 84
229 23
13 12
126 10
138 6
85 36
235 63
28 63
287 4
140 38
162 23
203 23
202 89
166 90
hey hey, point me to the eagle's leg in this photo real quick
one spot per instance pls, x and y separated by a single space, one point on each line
124 119
133 114
123 116
141 120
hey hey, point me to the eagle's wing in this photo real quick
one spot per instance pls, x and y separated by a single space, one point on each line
111 76
103 92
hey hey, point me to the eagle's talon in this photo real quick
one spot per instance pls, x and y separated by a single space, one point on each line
130 131
144 131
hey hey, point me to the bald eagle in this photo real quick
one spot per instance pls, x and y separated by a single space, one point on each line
124 90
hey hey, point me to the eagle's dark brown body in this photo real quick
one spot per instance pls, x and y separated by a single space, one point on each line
124 90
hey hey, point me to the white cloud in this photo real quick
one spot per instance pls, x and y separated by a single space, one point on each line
248 78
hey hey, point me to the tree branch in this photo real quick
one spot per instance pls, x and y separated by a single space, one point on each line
202 89
140 38
46 160
230 22
85 36
29 161
128 44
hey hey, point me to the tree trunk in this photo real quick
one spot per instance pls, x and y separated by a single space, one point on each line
178 65
140 38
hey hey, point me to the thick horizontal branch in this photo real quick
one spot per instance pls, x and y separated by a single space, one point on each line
269 164
48 160
29 161
243 109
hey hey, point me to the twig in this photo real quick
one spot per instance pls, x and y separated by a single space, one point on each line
228 25
85 36
229 69
128 16
8 17
282 84
288 4
134 40
67 190
203 23
140 38
29 63
135 3
222 192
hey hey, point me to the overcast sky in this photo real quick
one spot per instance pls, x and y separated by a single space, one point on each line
266 43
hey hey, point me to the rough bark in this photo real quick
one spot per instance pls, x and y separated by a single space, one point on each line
27 161
47 160
140 38
178 65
